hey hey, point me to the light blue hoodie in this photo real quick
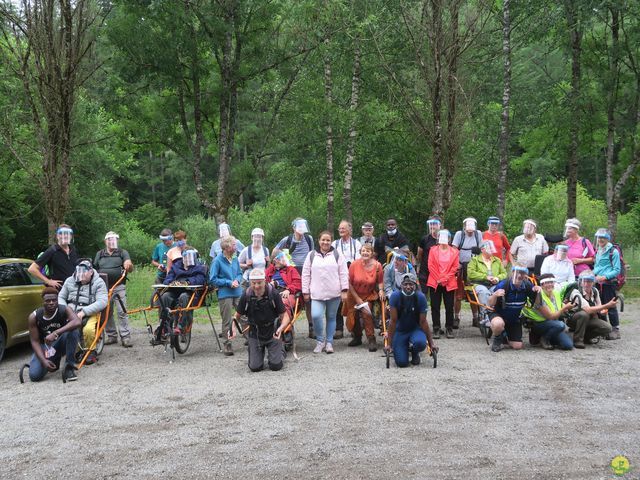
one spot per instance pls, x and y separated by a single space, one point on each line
607 262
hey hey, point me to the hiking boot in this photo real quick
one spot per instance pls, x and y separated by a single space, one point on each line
111 340
497 344
221 335
126 342
328 348
311 333
415 358
544 343
436 333
91 359
578 344
355 341
319 347
338 335
456 322
70 373
228 349
614 334
373 347
450 333
475 322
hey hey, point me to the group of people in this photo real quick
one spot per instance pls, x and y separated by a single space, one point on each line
348 282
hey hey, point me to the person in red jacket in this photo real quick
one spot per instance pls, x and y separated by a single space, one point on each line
442 281
286 280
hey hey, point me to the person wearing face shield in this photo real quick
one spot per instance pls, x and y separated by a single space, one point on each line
395 271
508 299
588 320
485 271
255 255
390 240
113 262
368 236
175 252
527 246
547 314
224 230
87 295
499 239
408 327
298 245
442 282
286 280
60 259
606 268
559 265
159 255
466 241
581 251
434 224
185 270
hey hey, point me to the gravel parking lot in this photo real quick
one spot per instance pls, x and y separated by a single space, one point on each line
529 414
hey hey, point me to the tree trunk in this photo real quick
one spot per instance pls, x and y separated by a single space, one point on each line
328 98
435 35
612 99
506 98
353 134
575 34
452 134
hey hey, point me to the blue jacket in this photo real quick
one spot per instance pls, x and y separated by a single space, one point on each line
607 264
223 273
196 275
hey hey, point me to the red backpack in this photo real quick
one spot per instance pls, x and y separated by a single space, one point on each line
622 276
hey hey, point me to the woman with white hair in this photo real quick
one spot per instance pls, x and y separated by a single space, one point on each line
255 255
581 251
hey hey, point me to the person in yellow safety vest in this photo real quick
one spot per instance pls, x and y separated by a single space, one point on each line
546 315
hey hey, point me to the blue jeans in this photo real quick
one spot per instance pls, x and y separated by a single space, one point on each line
324 309
400 344
553 332
66 344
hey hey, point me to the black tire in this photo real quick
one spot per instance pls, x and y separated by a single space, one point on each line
181 342
434 355
3 342
388 358
21 375
100 343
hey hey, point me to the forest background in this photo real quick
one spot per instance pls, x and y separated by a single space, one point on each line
138 115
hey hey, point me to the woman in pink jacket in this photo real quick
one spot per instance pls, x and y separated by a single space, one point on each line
442 283
325 281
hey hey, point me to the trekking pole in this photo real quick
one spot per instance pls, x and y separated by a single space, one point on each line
384 332
295 316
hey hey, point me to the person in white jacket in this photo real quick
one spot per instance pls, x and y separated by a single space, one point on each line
325 282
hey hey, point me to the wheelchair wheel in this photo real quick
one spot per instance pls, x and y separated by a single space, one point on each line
21 375
181 342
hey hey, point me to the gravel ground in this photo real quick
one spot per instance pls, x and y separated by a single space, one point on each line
529 414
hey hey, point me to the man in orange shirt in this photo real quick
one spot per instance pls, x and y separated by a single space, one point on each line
499 239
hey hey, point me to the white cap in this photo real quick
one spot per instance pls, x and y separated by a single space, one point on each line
111 235
257 231
257 274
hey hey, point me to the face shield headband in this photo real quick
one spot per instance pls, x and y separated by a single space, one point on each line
64 235
111 241
301 226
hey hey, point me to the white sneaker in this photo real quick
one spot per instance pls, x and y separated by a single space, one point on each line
319 347
328 348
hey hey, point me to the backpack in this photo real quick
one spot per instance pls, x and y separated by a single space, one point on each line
475 235
250 250
292 246
263 325
336 255
621 279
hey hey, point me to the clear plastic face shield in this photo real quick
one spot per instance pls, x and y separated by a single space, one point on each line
602 238
586 282
300 226
529 227
443 237
224 230
166 238
570 229
111 240
282 259
493 224
367 230
400 261
433 225
189 258
257 237
518 275
488 247
83 272
469 225
64 235
547 284
560 252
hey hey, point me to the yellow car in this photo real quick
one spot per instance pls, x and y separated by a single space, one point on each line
20 294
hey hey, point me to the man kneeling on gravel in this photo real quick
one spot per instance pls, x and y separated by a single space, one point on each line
264 309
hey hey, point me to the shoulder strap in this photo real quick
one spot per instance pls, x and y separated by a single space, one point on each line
265 251
461 240
313 254
307 237
249 251
336 255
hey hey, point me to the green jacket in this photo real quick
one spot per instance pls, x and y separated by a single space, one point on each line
477 269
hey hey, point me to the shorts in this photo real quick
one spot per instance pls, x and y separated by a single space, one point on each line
512 329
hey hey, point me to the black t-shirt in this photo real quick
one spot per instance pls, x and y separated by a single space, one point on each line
61 266
48 326
426 243
261 311
384 241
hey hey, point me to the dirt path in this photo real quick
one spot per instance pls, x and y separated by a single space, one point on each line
532 414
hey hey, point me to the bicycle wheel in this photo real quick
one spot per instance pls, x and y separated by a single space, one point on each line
100 343
181 342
